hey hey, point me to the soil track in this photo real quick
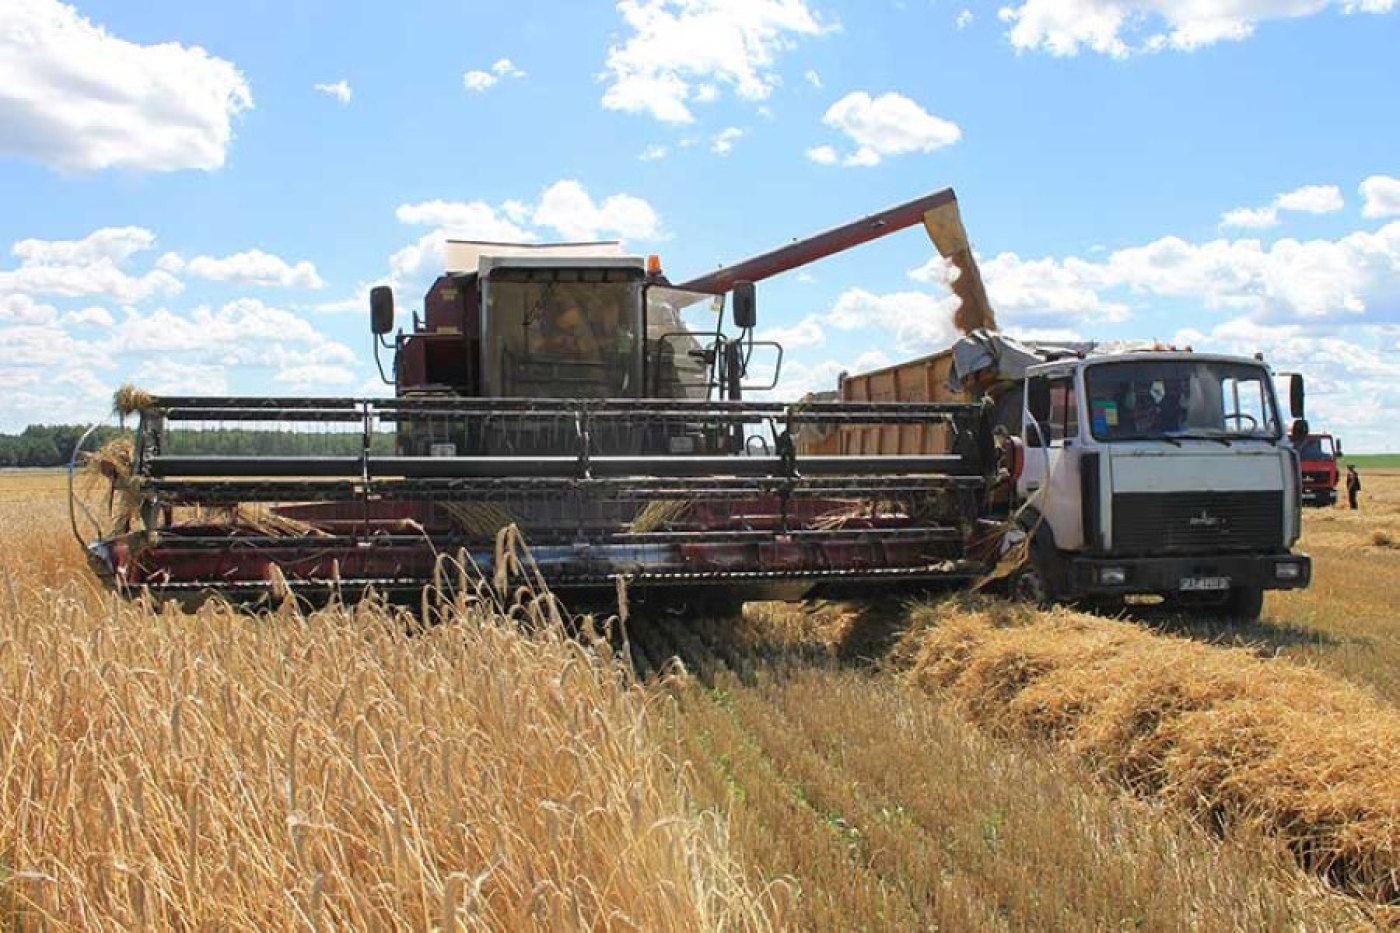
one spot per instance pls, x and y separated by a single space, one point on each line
863 805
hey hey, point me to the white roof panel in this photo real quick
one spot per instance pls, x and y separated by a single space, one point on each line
465 256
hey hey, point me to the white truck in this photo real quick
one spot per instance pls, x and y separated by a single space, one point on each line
1147 471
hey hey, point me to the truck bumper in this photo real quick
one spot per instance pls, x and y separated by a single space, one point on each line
1123 576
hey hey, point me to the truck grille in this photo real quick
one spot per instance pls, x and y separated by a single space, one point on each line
1197 522
1317 478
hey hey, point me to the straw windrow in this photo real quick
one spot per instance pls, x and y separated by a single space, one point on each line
1231 738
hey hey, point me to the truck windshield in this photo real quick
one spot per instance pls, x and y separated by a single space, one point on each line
1147 399
1317 448
680 325
562 339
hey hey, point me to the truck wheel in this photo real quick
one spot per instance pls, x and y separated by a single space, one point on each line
1247 602
1028 585
1243 602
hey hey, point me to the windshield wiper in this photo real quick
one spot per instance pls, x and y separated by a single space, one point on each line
1144 437
1223 441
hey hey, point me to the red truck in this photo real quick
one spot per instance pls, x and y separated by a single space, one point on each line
1318 454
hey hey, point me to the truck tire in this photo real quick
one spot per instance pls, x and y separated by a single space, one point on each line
1243 602
1036 582
1028 585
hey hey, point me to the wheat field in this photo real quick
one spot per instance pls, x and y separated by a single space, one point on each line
832 767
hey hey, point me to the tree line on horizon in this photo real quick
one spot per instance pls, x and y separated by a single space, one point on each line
51 445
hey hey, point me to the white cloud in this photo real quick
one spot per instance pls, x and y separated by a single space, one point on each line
172 377
88 267
678 47
1354 277
50 346
252 267
812 78
653 152
918 321
21 309
77 98
823 155
964 19
1123 27
1254 218
567 207
1382 194
1309 199
417 264
478 80
315 374
340 90
234 324
722 143
564 209
114 244
799 377
807 332
91 316
1018 288
469 220
888 125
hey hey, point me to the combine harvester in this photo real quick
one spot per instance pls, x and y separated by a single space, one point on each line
576 394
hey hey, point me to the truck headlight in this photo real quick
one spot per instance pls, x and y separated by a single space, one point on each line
1113 576
1288 571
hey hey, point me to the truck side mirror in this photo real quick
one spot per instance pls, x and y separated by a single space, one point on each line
745 305
1296 396
1337 442
381 310
1298 431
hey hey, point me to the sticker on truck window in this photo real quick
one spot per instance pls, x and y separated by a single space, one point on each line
1104 414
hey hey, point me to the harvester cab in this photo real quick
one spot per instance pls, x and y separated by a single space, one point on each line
574 393
568 322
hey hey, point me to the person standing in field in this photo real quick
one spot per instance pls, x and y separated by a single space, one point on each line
1353 485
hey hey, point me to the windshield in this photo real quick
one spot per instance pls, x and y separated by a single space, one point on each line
1143 399
1317 448
680 326
552 339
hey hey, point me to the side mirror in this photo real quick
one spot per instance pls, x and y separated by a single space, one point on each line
381 310
1298 431
1038 398
745 305
1296 396
1337 442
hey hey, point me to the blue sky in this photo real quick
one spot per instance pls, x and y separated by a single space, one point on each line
196 197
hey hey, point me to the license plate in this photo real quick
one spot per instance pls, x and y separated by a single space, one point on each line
1204 584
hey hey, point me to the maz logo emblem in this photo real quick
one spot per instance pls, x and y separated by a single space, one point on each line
1205 520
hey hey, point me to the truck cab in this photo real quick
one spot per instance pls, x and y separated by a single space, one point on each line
1158 473
1319 453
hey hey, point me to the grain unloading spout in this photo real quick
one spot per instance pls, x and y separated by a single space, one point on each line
945 228
827 243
